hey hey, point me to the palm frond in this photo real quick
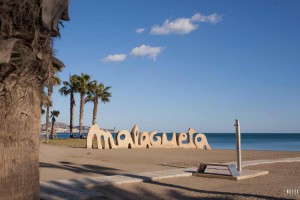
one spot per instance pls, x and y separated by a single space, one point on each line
89 98
46 101
54 113
98 91
82 82
56 81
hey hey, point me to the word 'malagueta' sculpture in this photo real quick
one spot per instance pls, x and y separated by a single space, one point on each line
135 139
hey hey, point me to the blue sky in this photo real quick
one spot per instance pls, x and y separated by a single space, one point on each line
194 63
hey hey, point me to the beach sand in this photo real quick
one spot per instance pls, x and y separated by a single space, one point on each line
282 175
57 162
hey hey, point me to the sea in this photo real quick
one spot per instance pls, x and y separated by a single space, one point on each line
250 141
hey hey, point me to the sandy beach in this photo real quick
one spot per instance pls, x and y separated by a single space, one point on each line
283 175
57 162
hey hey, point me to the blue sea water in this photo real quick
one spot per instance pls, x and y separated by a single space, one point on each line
256 141
250 141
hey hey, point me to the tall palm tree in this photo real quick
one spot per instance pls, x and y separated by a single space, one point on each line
45 102
54 80
70 88
82 84
97 91
53 115
26 40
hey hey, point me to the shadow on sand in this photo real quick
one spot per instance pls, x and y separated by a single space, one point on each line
81 169
173 192
170 191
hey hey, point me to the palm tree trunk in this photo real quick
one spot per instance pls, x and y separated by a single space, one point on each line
81 113
48 114
19 142
52 129
95 111
72 103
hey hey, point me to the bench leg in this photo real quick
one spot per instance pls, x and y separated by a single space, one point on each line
201 168
233 171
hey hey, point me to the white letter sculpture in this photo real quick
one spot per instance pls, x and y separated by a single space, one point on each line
135 139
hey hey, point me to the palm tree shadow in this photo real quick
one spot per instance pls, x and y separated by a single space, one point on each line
171 192
175 194
81 168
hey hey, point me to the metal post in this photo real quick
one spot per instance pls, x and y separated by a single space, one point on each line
238 145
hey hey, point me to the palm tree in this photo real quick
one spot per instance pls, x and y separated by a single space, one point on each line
97 91
53 81
70 88
53 115
26 40
82 84
45 102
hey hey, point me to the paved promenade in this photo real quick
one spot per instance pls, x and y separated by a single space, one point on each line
82 188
